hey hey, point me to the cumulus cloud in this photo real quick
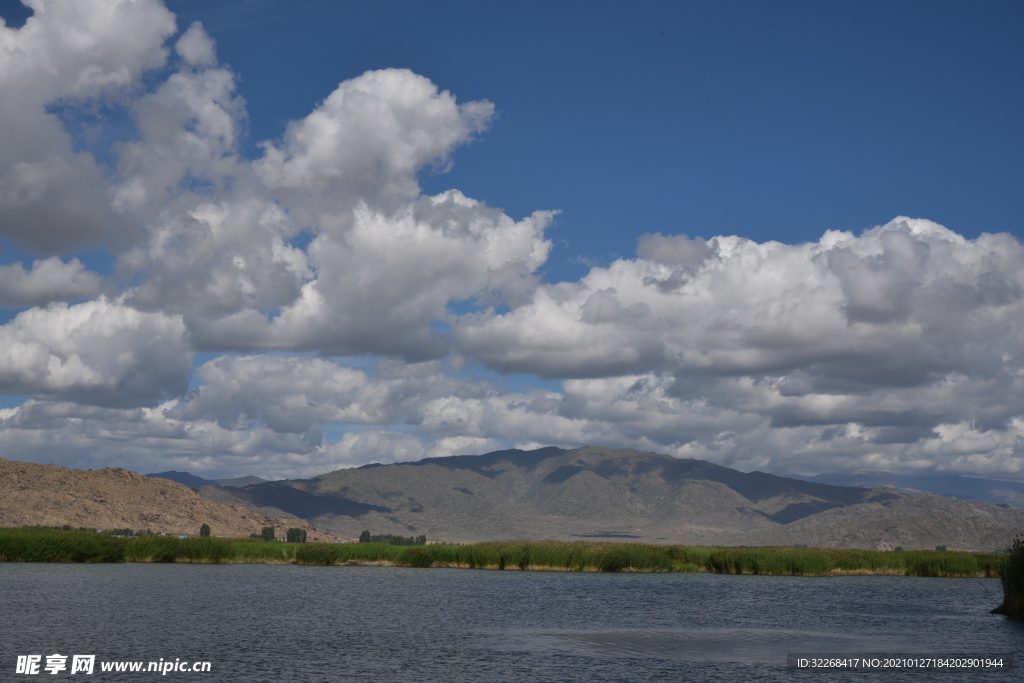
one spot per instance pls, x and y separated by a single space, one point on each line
269 414
383 262
51 196
380 287
887 307
365 143
265 412
99 352
868 347
196 47
899 348
48 280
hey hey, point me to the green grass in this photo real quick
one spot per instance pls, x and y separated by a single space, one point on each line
54 545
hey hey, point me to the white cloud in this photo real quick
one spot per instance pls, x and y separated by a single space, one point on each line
380 286
264 414
267 415
52 197
885 308
359 448
48 280
384 262
196 47
99 352
365 143
900 348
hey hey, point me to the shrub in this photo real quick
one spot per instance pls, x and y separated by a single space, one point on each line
204 531
1012 575
392 539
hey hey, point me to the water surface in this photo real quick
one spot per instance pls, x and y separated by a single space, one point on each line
294 623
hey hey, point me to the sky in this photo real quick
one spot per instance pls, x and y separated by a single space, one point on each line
281 238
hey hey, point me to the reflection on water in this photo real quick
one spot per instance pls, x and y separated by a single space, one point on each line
291 623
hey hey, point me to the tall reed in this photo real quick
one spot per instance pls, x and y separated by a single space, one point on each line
54 545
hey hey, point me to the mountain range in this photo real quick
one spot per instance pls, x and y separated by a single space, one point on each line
605 494
589 493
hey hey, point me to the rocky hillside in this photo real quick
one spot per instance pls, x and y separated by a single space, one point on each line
951 485
923 521
48 495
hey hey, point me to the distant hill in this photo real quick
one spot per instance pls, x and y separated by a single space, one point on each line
194 482
952 485
921 521
605 494
189 480
239 482
115 498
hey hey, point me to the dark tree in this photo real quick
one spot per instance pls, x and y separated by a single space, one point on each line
1012 575
268 533
392 539
296 535
204 531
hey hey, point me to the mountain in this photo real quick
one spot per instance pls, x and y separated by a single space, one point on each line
189 480
194 482
48 495
921 521
588 493
952 485
239 482
605 494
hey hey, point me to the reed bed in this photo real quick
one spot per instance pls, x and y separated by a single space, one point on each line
264 552
612 557
53 545
171 549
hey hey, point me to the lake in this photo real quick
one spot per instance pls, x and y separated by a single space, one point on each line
298 623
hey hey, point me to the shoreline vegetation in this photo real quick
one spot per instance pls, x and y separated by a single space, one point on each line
34 544
1012 576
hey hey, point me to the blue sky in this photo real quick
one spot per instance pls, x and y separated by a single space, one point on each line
773 121
236 312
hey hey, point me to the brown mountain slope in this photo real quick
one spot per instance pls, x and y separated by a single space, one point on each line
924 521
600 493
48 495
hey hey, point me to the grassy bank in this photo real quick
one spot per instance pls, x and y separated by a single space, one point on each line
53 545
